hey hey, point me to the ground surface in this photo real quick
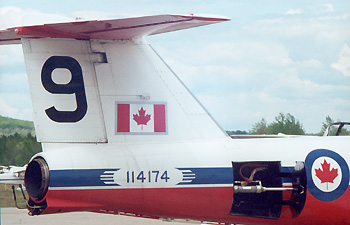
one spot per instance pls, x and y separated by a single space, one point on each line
13 216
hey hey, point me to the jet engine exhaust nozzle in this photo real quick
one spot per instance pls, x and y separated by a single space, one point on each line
37 178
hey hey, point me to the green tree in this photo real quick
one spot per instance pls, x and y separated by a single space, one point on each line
236 132
326 124
259 127
17 149
286 124
333 129
2 148
345 132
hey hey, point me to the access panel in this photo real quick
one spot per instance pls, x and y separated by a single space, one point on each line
259 188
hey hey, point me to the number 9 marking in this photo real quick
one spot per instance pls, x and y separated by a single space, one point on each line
75 86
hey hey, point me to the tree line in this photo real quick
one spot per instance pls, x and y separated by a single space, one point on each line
17 141
17 149
9 126
287 124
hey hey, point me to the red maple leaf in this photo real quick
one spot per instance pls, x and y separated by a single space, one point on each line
326 175
142 118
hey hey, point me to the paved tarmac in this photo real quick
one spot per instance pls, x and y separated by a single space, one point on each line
14 216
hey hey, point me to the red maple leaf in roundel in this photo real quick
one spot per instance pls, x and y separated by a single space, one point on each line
326 175
142 118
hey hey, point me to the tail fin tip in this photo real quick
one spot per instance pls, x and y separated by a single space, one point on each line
109 29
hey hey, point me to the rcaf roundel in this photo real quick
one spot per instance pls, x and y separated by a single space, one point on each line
327 174
141 118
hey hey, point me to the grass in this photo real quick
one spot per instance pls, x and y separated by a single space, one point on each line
6 197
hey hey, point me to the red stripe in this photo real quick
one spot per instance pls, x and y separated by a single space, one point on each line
123 118
206 203
159 118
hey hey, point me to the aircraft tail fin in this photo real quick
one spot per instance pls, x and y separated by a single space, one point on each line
100 81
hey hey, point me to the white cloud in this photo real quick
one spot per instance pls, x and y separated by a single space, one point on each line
332 28
11 54
12 82
12 16
329 8
293 12
6 110
248 70
16 105
98 15
312 63
343 63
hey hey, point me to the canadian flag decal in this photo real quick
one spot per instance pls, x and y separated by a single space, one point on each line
141 117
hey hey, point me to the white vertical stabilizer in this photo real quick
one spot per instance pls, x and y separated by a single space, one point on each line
135 75
101 82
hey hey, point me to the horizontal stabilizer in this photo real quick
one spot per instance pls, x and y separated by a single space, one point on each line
117 29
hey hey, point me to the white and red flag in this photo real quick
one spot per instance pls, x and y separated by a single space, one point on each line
141 117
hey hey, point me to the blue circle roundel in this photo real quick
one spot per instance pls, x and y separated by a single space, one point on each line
327 174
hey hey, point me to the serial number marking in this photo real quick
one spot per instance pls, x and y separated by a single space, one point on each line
147 176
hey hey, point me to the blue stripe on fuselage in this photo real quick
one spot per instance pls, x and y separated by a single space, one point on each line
190 176
206 176
78 178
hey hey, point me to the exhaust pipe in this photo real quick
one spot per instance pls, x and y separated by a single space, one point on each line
37 179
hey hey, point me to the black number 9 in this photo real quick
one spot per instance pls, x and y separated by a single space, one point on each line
75 86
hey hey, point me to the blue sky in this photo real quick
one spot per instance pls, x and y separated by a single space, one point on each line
273 56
